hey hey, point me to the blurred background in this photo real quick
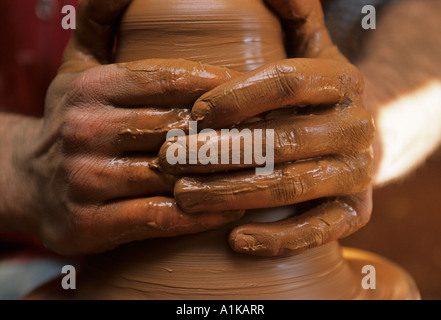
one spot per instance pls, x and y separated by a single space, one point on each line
406 226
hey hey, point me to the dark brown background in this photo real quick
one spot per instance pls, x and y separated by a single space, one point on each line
406 226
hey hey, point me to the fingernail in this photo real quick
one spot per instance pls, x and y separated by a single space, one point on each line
200 111
245 243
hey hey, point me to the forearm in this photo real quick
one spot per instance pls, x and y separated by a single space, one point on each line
402 71
13 185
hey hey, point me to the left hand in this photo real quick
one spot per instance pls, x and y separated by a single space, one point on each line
323 153
81 173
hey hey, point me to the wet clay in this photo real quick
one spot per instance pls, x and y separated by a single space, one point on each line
318 126
241 35
257 191
293 82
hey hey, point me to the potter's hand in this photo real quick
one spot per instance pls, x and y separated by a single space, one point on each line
89 184
323 152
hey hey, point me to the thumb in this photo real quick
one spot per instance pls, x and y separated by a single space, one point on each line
92 41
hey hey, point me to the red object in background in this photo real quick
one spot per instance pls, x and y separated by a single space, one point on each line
32 41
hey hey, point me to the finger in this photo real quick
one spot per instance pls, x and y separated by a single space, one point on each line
288 184
295 137
92 41
116 131
103 179
148 132
293 9
137 219
332 220
151 82
305 30
293 82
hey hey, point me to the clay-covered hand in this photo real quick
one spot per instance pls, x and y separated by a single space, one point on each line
89 183
322 143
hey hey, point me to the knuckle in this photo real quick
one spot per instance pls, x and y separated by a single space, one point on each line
366 161
293 186
287 142
286 82
358 212
173 78
366 130
364 205
352 80
88 85
356 171
83 129
364 213
356 130
186 190
317 236
297 10
75 172
85 178
163 224
302 241
79 88
73 131
353 71
81 220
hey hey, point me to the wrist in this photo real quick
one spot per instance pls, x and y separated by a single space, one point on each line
15 185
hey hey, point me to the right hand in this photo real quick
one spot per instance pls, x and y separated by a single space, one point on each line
322 149
90 188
